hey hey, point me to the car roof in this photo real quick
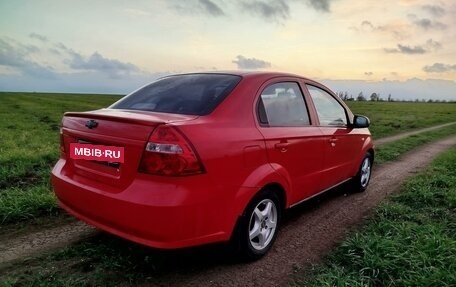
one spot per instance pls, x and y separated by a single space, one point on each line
256 75
249 74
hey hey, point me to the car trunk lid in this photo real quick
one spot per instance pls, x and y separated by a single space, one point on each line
127 129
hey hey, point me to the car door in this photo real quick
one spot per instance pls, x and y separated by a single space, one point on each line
294 145
342 145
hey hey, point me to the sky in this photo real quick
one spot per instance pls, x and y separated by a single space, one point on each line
406 48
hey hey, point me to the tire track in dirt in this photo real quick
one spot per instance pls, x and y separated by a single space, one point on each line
43 240
407 134
308 233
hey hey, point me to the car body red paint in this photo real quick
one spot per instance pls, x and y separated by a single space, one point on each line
237 154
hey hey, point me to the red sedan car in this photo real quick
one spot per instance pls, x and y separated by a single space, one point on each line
208 157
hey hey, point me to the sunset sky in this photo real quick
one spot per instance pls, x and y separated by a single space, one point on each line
404 47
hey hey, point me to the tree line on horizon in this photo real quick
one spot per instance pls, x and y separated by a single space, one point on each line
375 97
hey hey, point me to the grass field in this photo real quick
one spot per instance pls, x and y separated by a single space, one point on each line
388 118
392 151
30 138
29 147
409 241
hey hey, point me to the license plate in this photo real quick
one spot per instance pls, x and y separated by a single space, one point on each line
97 152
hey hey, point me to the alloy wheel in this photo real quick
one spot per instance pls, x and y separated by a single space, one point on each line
263 224
365 172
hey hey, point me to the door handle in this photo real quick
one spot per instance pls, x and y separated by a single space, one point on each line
283 147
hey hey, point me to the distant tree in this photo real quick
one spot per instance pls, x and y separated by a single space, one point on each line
360 97
374 97
346 96
430 101
389 98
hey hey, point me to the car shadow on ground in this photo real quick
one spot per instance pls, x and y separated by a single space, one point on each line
141 261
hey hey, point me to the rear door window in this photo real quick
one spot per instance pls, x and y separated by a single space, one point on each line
192 94
282 105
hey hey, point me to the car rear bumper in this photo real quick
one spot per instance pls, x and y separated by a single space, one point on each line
155 214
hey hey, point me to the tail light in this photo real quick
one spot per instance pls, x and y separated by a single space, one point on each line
168 152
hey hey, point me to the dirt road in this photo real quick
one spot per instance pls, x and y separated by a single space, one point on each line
407 134
13 248
309 231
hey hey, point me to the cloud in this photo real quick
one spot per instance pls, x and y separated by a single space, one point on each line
434 45
397 30
368 73
79 82
96 62
54 51
420 49
321 5
404 49
206 7
211 8
250 63
38 37
426 23
269 10
17 56
31 60
279 10
26 68
439 68
435 10
367 24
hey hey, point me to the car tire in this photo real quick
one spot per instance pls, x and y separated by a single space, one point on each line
258 227
362 178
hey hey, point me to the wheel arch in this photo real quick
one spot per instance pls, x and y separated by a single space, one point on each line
368 147
372 153
278 189
275 187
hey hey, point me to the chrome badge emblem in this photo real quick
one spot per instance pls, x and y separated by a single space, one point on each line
91 124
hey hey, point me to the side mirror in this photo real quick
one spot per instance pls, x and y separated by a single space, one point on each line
360 122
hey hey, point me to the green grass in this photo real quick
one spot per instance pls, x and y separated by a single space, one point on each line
106 260
100 261
392 151
30 138
409 241
29 147
388 118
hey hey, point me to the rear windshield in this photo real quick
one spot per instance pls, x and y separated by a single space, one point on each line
192 94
